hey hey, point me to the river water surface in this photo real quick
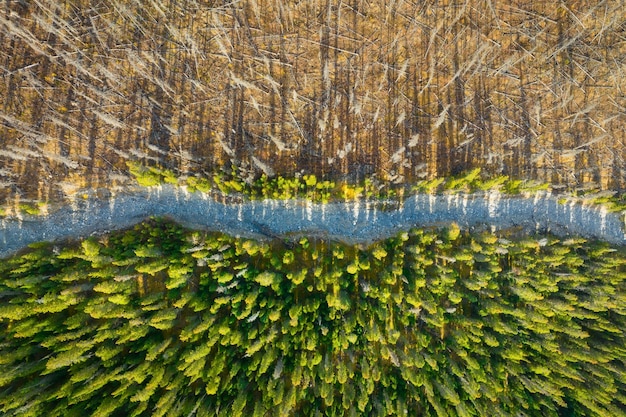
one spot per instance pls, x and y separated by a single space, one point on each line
351 222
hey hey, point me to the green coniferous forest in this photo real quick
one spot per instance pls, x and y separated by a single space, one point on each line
163 321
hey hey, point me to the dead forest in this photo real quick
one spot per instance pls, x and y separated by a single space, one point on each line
400 90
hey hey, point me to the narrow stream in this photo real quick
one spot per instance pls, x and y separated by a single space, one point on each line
350 222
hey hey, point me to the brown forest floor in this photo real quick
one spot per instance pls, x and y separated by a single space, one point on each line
399 89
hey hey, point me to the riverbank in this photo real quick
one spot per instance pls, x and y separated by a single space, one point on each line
351 222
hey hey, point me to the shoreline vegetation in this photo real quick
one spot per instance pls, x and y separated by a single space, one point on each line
308 187
161 320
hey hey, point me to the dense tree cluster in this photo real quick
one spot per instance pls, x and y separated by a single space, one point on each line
402 89
158 320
